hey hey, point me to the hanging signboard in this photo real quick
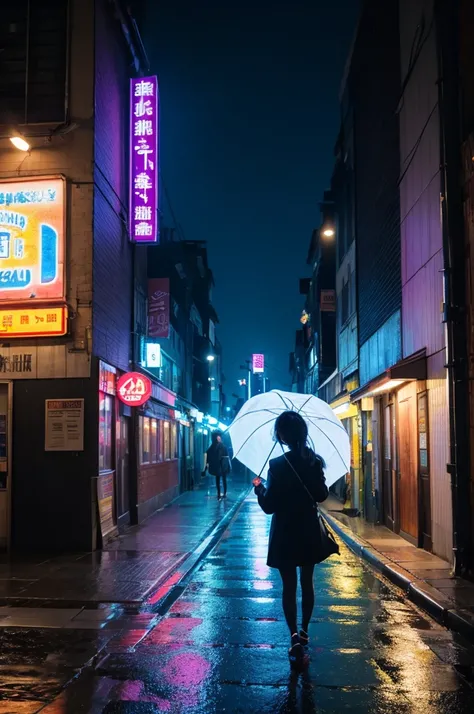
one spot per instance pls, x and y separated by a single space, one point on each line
144 174
134 389
258 364
64 425
153 355
159 307
32 219
328 301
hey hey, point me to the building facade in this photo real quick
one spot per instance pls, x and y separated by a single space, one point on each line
78 461
403 293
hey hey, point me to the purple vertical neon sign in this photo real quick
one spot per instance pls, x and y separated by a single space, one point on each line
144 160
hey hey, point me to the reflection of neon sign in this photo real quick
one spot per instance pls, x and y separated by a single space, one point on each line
134 389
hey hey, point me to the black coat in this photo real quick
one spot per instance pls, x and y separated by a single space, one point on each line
295 534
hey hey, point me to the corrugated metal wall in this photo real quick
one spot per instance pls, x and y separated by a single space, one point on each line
421 244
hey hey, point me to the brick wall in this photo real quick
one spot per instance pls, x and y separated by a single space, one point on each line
112 277
154 479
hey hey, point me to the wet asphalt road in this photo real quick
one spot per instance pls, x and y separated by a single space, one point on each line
222 647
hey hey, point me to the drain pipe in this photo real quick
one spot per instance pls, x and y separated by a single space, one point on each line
447 36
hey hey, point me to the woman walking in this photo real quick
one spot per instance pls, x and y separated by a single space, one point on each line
295 485
218 462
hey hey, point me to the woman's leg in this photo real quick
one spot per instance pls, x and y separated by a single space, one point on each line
218 486
224 482
289 579
307 589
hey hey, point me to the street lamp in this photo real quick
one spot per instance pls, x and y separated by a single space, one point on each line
328 232
18 140
210 358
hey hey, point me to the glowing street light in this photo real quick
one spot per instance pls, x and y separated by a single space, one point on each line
17 139
19 142
210 358
329 232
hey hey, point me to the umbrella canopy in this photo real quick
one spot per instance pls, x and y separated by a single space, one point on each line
252 432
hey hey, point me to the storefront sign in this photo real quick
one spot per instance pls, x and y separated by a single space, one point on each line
144 160
258 364
105 499
159 308
328 301
153 355
33 322
21 363
134 389
32 216
64 425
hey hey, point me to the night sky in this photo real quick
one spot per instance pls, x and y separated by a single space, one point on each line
249 116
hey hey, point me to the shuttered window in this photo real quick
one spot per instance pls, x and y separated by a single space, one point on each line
33 61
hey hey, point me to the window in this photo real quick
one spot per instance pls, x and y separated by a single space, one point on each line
166 371
166 441
105 432
174 440
33 38
159 436
144 440
154 441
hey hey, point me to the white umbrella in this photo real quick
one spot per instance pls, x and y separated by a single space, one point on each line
252 432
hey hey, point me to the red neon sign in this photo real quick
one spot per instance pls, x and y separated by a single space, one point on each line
134 389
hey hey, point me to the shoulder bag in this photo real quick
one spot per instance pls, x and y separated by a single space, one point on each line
327 541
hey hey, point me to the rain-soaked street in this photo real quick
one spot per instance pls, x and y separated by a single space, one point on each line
222 646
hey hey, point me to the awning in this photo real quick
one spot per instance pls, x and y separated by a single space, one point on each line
343 408
411 369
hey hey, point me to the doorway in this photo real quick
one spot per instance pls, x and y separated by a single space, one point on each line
389 466
408 477
426 540
122 434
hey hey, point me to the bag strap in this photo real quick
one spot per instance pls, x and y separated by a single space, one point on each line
315 505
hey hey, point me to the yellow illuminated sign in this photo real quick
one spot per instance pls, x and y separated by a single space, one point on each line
33 322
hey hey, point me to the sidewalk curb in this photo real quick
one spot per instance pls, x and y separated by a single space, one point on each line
193 560
418 591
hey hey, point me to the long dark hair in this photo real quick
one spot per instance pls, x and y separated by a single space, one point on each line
291 429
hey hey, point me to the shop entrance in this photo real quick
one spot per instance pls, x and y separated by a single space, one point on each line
389 466
122 433
408 476
5 464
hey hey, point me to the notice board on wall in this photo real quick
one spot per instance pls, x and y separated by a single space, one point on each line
64 425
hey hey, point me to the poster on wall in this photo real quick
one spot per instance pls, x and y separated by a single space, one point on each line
105 499
64 425
159 307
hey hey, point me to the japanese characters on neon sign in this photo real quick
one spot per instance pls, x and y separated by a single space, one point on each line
144 165
258 364
134 389
32 239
